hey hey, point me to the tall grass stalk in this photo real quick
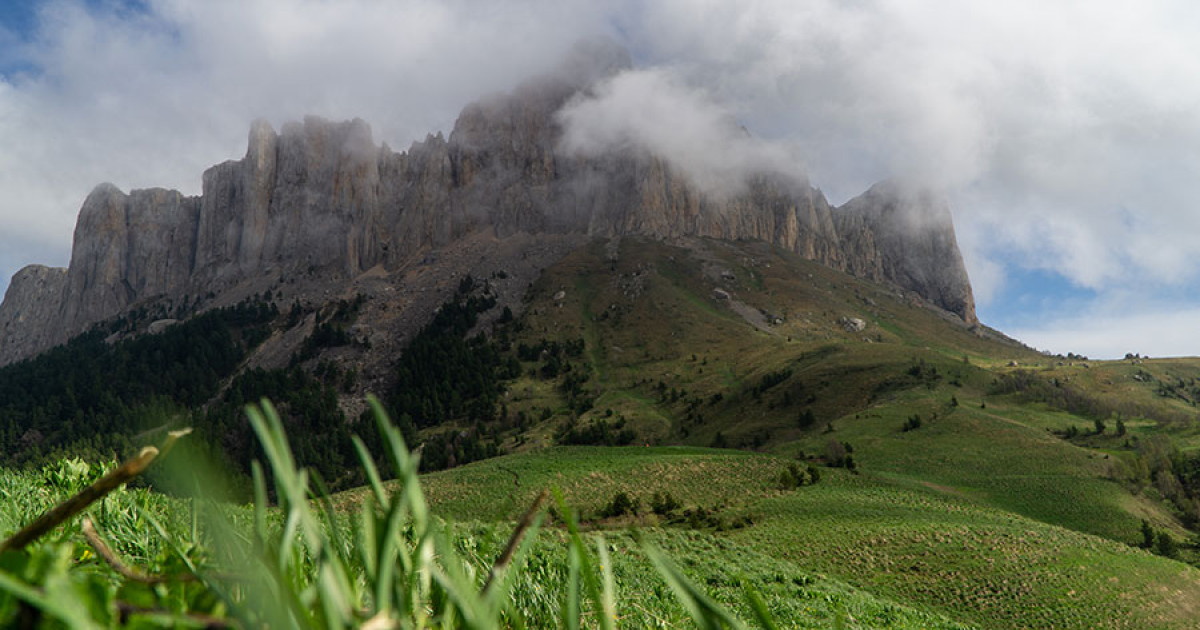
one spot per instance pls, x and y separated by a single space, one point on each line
301 564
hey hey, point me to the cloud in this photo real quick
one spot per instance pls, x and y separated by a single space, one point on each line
1159 332
653 111
151 93
1085 113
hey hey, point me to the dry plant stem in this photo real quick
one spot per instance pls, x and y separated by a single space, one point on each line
89 495
108 555
515 540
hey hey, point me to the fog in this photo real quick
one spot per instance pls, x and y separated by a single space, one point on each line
653 111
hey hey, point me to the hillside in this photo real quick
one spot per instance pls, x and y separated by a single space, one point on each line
980 491
1003 507
902 540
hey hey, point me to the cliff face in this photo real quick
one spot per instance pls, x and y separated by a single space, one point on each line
321 198
30 306
906 237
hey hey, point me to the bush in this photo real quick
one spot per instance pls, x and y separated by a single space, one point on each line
1147 535
794 476
663 504
1164 545
836 453
620 505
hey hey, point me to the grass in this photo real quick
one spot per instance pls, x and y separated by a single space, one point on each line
982 516
385 561
881 538
991 460
974 563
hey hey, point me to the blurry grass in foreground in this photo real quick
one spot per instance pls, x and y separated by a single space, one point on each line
301 564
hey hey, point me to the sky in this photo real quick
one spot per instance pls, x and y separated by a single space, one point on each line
1065 135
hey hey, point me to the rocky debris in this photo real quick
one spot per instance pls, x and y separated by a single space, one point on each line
720 294
560 296
160 325
319 204
753 316
772 318
633 284
852 324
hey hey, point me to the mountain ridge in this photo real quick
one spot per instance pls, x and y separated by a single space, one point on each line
320 199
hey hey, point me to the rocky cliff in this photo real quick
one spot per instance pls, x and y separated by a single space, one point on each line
321 199
906 236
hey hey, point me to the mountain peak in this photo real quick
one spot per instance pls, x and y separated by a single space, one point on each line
593 59
905 234
319 200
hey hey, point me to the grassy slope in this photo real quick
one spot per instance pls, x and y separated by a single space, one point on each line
729 483
893 540
1008 523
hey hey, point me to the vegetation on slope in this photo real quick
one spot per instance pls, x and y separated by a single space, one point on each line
971 476
88 397
393 564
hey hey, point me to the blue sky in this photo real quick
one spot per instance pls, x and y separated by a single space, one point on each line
1070 160
16 25
17 16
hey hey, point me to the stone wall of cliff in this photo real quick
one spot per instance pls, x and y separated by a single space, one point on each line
321 197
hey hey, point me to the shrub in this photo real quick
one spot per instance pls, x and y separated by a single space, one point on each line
1164 545
663 504
835 453
794 476
620 505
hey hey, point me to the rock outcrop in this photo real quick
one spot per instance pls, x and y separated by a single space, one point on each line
906 237
320 198
29 310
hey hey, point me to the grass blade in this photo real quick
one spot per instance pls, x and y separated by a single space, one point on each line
707 614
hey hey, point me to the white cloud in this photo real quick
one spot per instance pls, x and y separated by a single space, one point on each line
152 93
1084 111
1159 332
652 111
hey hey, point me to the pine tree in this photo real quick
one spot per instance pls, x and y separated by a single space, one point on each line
1165 545
1147 535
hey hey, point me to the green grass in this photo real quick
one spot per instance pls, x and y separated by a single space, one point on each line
1012 509
977 564
945 551
982 516
500 489
385 560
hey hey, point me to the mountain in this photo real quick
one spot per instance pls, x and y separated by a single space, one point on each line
599 324
318 205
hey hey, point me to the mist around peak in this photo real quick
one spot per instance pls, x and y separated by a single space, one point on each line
653 111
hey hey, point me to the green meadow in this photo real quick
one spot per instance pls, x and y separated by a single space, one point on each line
749 456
